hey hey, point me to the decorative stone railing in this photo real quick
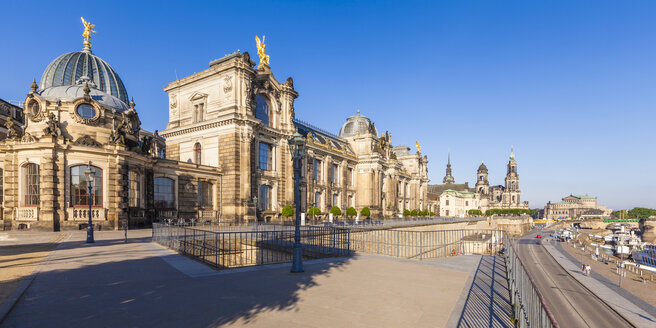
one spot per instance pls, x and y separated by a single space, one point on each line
27 214
207 214
82 214
166 214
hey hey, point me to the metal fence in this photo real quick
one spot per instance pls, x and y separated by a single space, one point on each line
528 303
422 245
225 250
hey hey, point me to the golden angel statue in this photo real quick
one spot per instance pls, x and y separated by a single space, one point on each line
261 50
418 147
88 28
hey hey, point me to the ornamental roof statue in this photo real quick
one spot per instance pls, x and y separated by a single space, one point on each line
88 28
261 50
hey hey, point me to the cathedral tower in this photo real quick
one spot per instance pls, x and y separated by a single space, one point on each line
482 185
448 178
511 194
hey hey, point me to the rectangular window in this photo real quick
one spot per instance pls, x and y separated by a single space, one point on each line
1 186
266 157
32 189
265 198
317 200
134 188
335 203
333 173
317 169
205 196
349 176
164 193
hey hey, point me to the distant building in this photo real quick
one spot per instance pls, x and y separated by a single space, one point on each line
13 112
574 206
454 199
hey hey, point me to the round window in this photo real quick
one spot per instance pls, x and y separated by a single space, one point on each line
34 108
86 111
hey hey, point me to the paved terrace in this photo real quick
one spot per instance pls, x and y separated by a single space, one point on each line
112 283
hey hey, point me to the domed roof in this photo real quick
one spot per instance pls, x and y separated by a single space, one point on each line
482 167
357 124
77 91
69 68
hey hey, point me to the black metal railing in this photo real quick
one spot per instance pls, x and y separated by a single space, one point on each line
527 301
226 250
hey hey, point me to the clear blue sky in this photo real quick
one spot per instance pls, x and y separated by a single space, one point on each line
571 84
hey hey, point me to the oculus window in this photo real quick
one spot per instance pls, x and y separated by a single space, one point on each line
86 111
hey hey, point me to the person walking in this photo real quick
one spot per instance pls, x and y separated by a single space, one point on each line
583 269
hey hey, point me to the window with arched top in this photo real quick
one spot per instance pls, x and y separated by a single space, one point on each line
31 191
262 111
164 193
197 153
80 186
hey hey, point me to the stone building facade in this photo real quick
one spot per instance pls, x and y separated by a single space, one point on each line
79 120
575 206
238 117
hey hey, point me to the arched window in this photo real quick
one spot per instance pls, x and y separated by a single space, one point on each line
197 153
262 110
164 193
80 187
134 189
32 188
265 198
205 201
335 202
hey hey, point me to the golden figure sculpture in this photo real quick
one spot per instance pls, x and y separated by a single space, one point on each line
261 50
418 147
88 28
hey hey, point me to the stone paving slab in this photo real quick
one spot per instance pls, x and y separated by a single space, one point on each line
631 312
112 283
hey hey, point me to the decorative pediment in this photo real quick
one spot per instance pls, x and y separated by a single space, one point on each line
28 138
198 96
87 141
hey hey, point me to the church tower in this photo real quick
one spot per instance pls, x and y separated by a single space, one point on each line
448 178
482 185
511 194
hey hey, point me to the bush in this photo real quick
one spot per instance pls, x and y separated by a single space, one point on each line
314 211
351 212
406 213
365 212
287 211
475 212
413 213
432 213
336 211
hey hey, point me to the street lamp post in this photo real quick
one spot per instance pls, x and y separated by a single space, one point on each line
255 204
297 149
89 175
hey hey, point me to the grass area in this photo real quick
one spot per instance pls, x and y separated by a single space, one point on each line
17 262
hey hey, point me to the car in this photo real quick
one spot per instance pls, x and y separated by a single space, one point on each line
538 236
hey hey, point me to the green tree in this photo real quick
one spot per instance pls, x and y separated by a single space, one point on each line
432 213
406 213
351 212
336 211
365 212
413 213
287 211
474 212
314 211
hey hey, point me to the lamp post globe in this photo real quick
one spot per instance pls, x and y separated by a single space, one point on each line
297 148
89 174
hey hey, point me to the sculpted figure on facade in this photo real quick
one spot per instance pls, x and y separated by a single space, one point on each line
12 133
261 50
52 129
117 136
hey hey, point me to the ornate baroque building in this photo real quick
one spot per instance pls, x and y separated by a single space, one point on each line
453 199
575 206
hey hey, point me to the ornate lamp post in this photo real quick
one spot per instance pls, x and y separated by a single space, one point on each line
297 148
90 178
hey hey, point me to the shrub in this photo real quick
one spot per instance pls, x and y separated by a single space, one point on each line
314 211
505 211
365 212
351 212
406 213
474 212
432 213
336 211
287 211
413 213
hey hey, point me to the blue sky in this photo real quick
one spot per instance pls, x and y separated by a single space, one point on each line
570 84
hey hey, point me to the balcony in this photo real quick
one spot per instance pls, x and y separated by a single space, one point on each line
82 214
166 214
27 214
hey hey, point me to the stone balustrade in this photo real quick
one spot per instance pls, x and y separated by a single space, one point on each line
27 213
82 214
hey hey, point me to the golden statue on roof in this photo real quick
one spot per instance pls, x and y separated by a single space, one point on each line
418 147
261 50
88 28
